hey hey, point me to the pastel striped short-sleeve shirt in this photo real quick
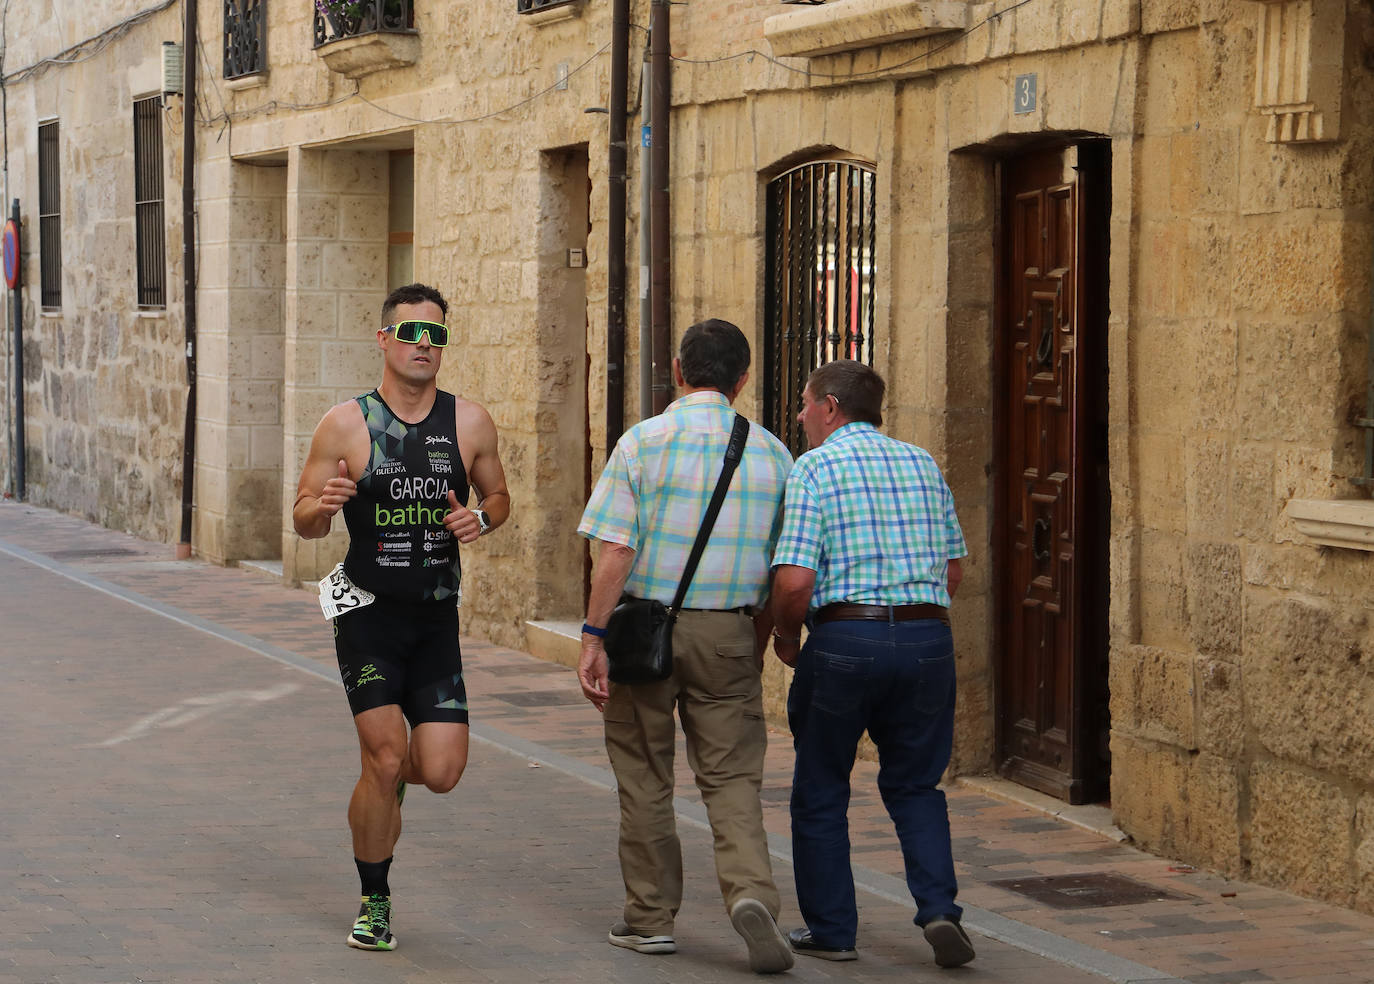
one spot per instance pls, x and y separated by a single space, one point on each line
654 491
874 518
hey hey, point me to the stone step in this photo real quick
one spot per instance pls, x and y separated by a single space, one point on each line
272 568
555 640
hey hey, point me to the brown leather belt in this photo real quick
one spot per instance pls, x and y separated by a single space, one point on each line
841 610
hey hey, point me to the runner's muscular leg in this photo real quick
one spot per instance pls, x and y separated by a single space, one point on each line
373 814
438 754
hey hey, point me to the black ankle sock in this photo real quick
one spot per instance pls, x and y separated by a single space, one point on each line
373 875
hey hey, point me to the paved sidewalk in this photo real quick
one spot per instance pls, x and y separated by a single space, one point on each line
181 755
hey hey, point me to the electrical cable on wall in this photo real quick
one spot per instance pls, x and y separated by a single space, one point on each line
91 46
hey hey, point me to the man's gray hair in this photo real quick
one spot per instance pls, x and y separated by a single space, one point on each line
857 388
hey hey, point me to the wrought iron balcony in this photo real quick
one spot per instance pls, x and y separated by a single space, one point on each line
339 19
245 38
534 6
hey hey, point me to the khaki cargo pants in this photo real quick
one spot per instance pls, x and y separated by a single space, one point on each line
717 691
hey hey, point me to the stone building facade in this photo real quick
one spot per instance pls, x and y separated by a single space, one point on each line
1114 259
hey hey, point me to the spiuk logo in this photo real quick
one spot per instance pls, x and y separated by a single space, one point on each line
369 675
437 439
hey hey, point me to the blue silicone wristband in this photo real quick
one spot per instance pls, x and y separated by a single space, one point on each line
592 630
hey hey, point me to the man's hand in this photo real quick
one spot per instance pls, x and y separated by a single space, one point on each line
792 587
337 491
593 672
460 521
786 650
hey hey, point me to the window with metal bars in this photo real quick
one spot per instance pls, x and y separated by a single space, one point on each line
819 299
49 216
148 222
245 38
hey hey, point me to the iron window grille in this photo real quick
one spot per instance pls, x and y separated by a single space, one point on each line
245 38
49 216
339 19
148 222
820 295
534 6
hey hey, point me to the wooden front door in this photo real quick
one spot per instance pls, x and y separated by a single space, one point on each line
1051 495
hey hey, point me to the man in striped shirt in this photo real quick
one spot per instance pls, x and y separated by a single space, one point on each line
870 547
645 512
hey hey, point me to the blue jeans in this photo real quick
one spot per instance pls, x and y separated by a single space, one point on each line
895 679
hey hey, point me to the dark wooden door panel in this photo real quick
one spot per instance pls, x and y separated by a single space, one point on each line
1042 727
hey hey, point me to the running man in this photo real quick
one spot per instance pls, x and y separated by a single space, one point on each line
398 462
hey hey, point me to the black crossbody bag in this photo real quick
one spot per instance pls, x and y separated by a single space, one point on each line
639 634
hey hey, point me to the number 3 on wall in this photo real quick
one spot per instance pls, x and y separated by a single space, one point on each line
1023 94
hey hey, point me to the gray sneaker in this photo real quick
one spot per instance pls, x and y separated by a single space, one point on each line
768 949
623 935
949 941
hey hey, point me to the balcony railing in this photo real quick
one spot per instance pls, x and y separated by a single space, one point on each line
245 38
534 6
338 19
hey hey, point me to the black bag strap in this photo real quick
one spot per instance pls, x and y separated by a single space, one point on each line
733 452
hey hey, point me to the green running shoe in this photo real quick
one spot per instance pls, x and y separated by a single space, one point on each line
372 931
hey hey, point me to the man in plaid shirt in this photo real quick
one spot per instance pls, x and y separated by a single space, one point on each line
645 512
870 547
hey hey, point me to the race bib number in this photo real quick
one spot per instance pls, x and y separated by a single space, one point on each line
338 594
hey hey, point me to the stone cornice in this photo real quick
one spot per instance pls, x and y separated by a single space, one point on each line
853 24
1347 523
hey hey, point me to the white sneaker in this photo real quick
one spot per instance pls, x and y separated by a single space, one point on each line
623 935
769 952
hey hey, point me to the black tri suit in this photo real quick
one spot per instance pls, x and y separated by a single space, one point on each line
402 648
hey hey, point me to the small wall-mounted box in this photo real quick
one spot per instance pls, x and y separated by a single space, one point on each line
173 67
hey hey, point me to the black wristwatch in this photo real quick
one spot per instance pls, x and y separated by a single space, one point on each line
483 523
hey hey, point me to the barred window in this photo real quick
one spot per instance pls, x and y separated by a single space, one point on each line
245 38
49 216
148 222
819 300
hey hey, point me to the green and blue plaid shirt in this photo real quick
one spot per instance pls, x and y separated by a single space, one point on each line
654 491
874 518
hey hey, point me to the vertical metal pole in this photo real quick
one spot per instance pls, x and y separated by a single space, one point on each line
17 296
1369 395
646 310
188 266
615 225
661 239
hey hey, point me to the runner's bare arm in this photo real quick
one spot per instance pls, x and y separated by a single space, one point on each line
336 455
486 474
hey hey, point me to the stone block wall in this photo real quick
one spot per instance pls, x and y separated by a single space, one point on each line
1239 690
242 278
336 265
104 383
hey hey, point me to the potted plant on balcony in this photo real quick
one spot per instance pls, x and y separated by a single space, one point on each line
347 18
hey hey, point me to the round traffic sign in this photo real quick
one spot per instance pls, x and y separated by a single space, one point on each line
11 254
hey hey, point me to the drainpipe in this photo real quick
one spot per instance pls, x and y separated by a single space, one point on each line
646 314
615 222
188 266
17 300
659 238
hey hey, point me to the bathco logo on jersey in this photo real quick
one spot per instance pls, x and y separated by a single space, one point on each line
439 463
427 506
